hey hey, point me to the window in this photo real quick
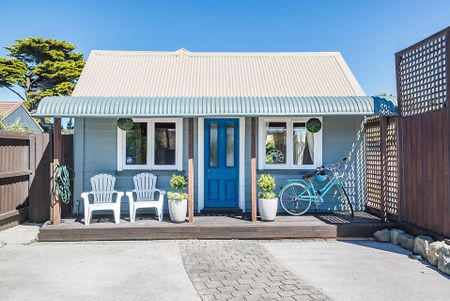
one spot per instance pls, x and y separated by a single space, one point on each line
151 144
286 144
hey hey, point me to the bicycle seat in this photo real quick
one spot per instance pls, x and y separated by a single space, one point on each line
309 175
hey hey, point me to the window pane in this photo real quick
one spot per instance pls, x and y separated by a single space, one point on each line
213 145
303 145
165 143
230 144
275 142
136 144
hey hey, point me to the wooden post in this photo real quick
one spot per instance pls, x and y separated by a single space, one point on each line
56 204
191 171
253 168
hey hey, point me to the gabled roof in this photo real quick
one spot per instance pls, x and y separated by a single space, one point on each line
216 74
7 108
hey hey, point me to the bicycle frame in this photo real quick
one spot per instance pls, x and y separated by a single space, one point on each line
317 195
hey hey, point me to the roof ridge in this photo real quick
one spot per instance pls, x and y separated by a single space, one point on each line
213 53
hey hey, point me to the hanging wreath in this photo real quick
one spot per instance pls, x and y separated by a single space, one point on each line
125 124
313 125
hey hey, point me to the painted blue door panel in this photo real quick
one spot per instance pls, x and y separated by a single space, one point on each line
221 162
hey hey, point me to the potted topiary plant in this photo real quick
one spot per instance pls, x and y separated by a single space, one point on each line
267 199
178 198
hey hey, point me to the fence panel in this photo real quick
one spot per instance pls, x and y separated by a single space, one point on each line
14 177
382 166
423 85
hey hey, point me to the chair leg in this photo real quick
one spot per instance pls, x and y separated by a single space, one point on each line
86 216
90 215
160 214
134 213
131 214
117 216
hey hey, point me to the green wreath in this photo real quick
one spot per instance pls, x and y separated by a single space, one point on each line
125 124
313 125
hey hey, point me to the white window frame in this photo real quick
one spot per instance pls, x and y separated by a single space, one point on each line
121 146
289 144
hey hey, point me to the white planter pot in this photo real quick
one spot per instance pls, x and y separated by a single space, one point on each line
177 211
268 208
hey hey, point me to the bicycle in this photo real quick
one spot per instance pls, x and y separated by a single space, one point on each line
296 197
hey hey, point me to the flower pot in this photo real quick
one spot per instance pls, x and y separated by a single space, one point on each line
177 211
268 208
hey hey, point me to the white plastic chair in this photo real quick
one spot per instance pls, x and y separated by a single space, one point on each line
103 197
144 190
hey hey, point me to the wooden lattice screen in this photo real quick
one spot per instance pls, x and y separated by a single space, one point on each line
372 137
392 167
382 172
421 76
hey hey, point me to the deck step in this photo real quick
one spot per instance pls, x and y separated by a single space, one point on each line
324 226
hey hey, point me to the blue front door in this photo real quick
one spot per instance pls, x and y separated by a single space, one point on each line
221 163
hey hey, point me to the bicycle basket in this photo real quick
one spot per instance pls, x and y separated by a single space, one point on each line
321 178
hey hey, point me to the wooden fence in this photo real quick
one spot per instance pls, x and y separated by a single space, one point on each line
408 157
25 176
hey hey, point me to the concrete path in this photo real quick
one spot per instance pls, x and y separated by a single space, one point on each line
94 271
22 234
362 270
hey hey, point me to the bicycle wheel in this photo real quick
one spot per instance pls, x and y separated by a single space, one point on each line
295 198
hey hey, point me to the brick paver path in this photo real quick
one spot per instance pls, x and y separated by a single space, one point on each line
241 270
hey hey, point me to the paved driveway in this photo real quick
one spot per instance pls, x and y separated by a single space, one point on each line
362 270
240 270
94 271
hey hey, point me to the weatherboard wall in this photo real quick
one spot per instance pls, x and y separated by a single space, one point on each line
96 152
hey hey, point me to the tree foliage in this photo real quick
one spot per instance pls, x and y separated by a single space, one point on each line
40 67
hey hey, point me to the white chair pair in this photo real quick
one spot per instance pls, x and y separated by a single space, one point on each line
103 196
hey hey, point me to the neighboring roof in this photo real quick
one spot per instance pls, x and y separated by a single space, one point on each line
88 106
216 74
7 108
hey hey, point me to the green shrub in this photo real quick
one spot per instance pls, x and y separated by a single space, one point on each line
125 124
313 125
267 184
179 184
16 126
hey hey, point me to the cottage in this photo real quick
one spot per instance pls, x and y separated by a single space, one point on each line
13 112
227 103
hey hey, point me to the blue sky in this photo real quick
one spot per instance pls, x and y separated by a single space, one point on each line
367 33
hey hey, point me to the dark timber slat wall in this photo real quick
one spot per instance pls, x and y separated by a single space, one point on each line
408 162
25 176
423 83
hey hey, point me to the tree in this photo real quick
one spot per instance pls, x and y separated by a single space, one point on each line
40 67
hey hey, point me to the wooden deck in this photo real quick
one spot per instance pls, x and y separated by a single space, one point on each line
329 225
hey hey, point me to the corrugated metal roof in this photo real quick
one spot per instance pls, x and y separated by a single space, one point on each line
216 74
88 106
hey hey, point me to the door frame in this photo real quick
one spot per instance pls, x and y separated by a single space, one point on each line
201 162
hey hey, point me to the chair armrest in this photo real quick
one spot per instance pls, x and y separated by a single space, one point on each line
85 197
162 192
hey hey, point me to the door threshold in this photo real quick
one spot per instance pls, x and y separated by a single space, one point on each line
221 211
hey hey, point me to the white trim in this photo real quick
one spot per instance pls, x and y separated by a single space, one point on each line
121 160
289 147
201 162
242 163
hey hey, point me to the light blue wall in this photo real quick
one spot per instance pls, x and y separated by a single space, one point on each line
96 152
25 118
339 140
